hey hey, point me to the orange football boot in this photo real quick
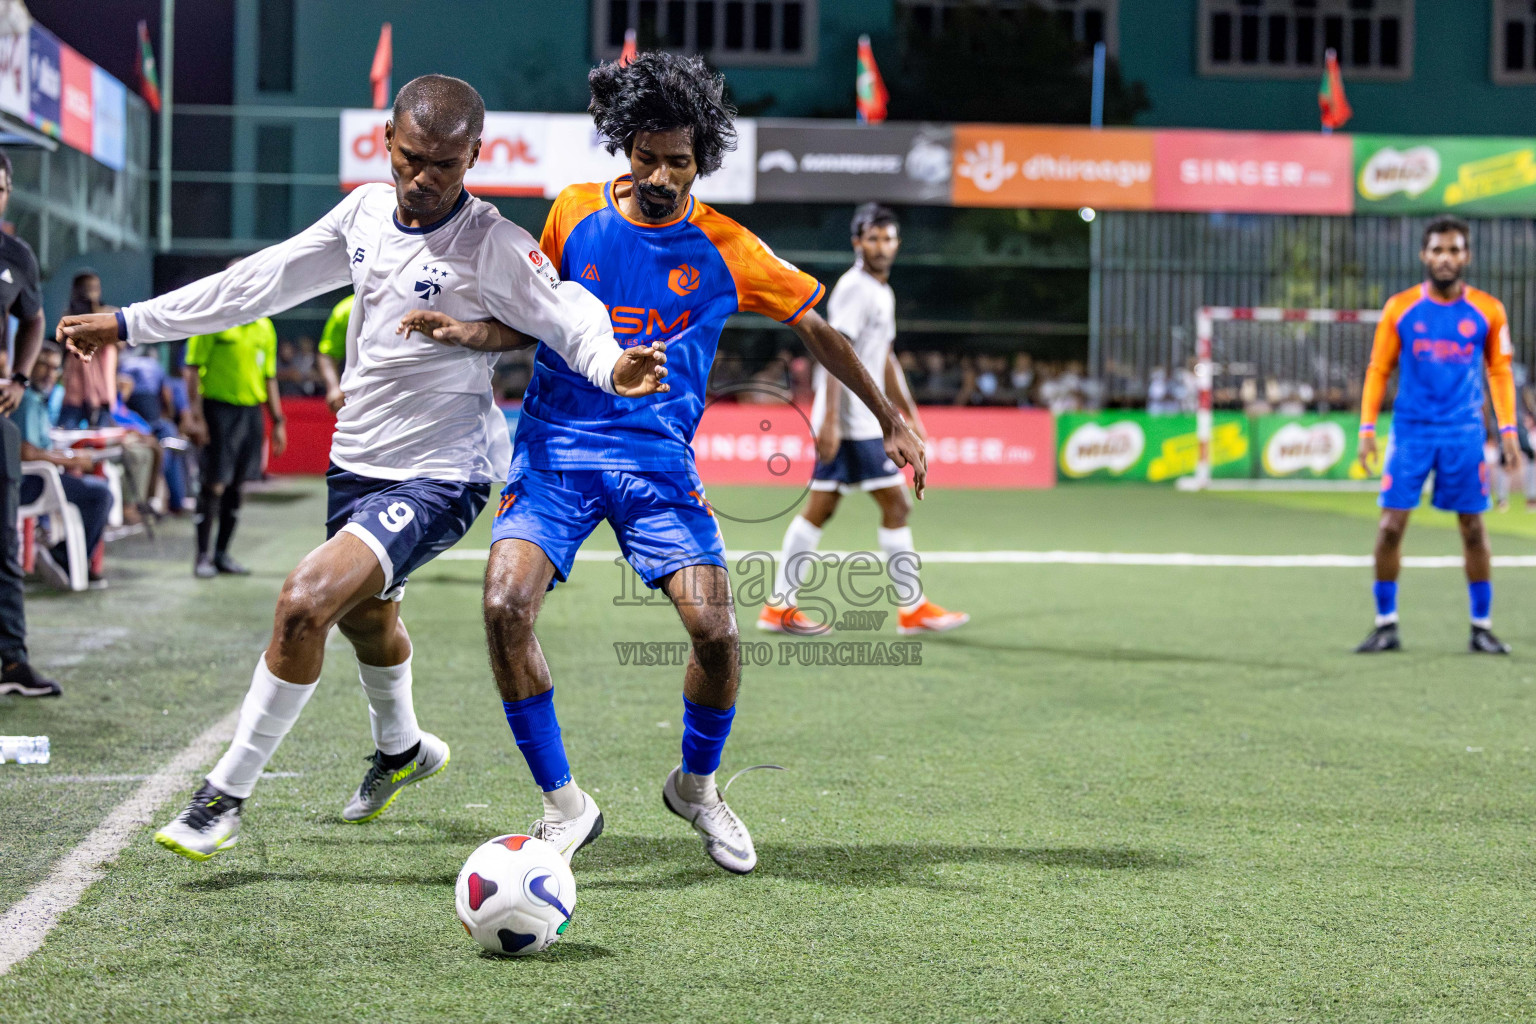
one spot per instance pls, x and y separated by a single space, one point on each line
788 620
929 618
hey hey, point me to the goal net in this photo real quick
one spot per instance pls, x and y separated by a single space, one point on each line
1273 360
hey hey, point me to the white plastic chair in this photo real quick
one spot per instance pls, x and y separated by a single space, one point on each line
64 522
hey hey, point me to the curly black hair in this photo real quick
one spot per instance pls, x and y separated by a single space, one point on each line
660 92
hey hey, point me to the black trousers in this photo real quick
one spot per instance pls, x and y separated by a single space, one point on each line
13 619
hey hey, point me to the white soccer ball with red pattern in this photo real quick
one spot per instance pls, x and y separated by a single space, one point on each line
515 895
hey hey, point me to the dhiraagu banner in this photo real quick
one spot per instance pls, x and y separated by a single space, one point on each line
1141 447
1319 447
1427 174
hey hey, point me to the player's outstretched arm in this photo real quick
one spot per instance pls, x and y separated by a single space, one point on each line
480 335
833 351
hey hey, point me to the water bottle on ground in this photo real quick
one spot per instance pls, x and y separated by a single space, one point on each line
24 749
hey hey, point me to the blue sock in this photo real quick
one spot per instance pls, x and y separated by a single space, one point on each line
537 731
1482 600
1386 597
704 732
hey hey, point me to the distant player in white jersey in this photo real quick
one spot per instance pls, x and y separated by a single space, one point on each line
419 438
850 455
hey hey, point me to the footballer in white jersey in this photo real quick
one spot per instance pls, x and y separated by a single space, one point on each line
850 455
418 441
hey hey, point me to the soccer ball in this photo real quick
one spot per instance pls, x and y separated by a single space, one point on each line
515 895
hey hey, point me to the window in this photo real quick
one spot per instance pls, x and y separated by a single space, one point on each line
1513 46
765 32
1288 38
274 46
1087 21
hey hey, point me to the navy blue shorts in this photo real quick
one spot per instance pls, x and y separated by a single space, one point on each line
662 520
1456 459
406 523
857 466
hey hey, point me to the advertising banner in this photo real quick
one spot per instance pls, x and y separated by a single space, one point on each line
1253 172
1142 447
1322 447
891 163
1419 174
739 443
1003 165
15 76
76 108
45 84
109 119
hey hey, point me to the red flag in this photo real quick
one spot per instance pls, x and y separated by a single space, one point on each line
149 79
631 51
383 64
1330 95
869 87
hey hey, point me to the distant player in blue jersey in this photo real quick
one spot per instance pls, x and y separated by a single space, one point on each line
1440 336
670 270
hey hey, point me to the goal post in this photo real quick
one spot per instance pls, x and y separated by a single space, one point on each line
1206 318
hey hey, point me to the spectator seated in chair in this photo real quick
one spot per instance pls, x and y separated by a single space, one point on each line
89 494
142 456
151 395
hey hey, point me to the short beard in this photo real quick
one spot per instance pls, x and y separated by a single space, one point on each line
655 203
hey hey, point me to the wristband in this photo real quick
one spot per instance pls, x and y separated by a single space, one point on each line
1367 428
1508 430
122 326
20 378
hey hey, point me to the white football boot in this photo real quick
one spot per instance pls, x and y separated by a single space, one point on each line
208 824
572 834
381 785
726 839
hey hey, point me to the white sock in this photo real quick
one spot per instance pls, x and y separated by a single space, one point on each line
696 789
801 537
391 714
564 803
903 570
1388 619
270 709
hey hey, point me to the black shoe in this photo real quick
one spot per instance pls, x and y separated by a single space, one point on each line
204 568
1484 642
18 678
228 566
1382 638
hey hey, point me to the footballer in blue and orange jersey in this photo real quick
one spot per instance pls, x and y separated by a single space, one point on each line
1443 337
671 271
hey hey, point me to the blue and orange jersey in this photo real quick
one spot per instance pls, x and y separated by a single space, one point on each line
1441 350
675 282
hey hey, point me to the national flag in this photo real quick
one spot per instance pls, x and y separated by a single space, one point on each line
149 78
631 49
869 87
1330 95
383 64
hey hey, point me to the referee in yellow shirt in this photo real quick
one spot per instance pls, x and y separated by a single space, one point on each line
229 376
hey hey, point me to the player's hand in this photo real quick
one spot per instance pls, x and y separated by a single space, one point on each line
906 449
334 400
279 438
827 441
10 396
85 335
641 370
1510 442
1367 452
444 328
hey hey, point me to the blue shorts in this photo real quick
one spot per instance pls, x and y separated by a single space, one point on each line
857 466
661 519
406 523
1461 474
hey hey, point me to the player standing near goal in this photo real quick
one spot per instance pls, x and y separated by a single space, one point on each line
850 455
418 441
670 270
1441 336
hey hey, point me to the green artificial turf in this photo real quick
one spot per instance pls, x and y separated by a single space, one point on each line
1119 794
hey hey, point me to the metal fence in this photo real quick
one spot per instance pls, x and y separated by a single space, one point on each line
1156 269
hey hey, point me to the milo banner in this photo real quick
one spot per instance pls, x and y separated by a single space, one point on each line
1141 447
1421 174
1321 447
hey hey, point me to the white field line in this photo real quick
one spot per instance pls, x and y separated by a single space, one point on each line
1175 559
24 927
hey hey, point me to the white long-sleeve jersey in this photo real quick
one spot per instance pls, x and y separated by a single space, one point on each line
864 310
415 407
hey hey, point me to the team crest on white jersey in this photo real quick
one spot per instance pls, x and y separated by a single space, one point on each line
432 287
